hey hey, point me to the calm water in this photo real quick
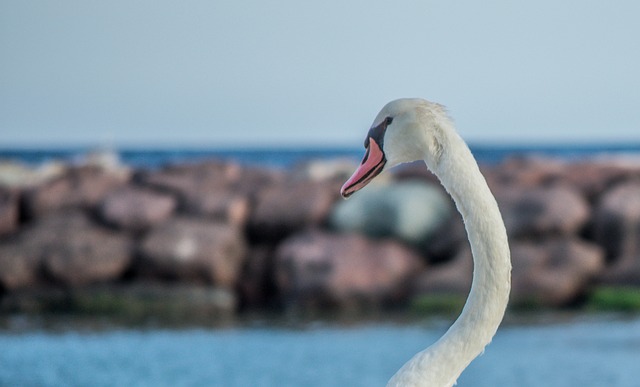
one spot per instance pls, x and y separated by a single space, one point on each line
598 352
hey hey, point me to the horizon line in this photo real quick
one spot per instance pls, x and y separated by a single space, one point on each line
494 144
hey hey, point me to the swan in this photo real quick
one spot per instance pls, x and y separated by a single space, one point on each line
412 129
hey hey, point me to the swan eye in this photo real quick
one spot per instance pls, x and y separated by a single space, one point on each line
377 132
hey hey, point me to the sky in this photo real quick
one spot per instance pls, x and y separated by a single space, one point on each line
216 73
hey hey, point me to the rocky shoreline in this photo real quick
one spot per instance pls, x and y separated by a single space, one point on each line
226 238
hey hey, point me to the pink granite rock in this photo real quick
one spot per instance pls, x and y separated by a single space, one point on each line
316 269
136 209
194 250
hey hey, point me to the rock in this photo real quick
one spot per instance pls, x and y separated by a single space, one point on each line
205 170
93 257
411 211
524 172
8 210
416 170
19 265
194 249
530 212
181 179
67 249
316 269
107 160
589 177
136 209
75 252
191 180
553 272
616 227
593 178
215 190
78 187
283 209
17 175
447 240
550 272
256 286
616 221
453 277
253 180
325 170
222 204
620 276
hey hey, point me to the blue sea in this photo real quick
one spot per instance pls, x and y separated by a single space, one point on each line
287 157
586 351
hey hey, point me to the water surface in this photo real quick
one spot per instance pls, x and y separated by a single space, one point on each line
287 157
598 352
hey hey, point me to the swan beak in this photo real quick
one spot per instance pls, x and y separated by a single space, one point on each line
372 164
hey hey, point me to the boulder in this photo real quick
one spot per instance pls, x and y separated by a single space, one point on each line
67 248
136 209
283 209
447 240
19 265
8 210
553 272
416 170
87 257
453 277
540 211
212 189
194 249
593 178
525 172
616 227
78 187
184 178
316 269
324 170
105 159
256 286
218 203
17 175
253 180
411 211
588 177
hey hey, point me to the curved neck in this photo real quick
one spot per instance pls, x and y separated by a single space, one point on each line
442 363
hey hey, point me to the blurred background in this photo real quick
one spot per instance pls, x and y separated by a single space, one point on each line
169 190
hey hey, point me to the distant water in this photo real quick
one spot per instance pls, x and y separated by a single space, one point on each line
283 158
600 352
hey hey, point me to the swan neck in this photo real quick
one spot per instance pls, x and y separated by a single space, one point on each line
443 362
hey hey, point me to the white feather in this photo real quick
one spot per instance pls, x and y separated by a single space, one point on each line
421 130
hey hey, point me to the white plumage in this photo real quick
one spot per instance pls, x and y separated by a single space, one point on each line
414 129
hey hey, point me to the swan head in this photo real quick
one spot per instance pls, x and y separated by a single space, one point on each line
405 130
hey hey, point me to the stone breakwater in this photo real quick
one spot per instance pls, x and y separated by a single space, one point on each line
227 238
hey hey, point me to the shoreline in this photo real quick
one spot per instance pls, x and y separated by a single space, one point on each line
56 322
